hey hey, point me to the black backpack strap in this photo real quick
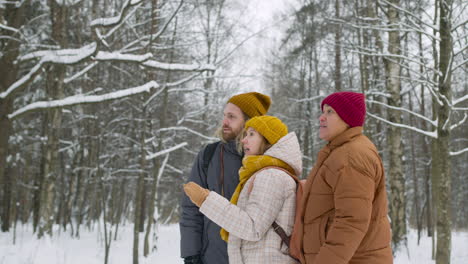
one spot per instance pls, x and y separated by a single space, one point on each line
208 155
280 231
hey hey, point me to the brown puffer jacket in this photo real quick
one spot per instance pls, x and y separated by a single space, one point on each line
345 216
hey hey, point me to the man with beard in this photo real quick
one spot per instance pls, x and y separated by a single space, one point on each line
217 168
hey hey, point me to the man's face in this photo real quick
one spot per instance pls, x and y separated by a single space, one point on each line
233 121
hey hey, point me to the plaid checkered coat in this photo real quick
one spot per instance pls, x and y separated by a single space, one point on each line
252 240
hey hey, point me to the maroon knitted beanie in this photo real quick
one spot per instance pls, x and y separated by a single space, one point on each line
350 106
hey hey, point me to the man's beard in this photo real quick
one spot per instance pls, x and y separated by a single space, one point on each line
230 135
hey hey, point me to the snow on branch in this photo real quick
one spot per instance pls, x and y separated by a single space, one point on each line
83 99
111 21
433 122
23 81
67 2
178 66
174 169
392 56
8 28
62 56
144 59
433 27
166 151
116 56
463 63
379 93
186 129
432 134
459 100
459 123
159 33
455 27
166 85
78 74
458 152
16 3
306 99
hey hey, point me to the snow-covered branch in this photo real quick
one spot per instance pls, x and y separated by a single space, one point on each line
78 74
379 93
389 55
433 27
306 99
433 122
83 99
67 2
144 59
174 169
458 152
160 32
463 63
23 81
166 151
455 27
459 100
459 123
117 56
432 134
16 3
8 28
178 66
188 130
111 21
461 50
63 56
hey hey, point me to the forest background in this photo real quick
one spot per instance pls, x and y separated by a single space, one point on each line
105 103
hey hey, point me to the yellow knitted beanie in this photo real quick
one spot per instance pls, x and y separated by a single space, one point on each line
252 104
269 127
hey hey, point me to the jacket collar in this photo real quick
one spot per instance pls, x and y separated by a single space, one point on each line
231 147
345 137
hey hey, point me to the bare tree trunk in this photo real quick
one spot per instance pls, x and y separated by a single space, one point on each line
338 81
55 90
140 188
441 157
434 167
417 200
393 84
363 59
103 199
374 70
13 17
425 149
120 207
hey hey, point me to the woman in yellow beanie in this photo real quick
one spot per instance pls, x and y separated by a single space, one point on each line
265 196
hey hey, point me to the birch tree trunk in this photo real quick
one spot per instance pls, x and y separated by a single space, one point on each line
395 172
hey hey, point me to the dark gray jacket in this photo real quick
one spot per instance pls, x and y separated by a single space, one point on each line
199 235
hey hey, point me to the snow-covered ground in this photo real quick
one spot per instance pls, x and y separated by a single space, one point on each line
62 249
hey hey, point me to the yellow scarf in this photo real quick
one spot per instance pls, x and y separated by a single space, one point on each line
250 165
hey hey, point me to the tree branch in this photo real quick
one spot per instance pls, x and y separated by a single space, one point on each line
432 134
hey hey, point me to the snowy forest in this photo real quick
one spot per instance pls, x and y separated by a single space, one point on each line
104 105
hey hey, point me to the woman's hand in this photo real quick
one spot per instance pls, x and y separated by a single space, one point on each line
196 193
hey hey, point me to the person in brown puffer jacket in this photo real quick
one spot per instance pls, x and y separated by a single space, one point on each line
345 201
